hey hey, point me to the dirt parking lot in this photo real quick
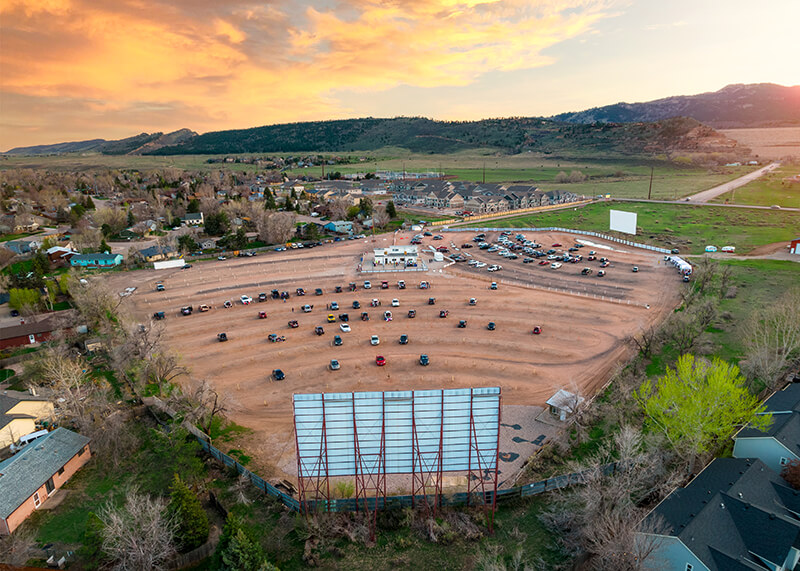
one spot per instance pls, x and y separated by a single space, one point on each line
580 344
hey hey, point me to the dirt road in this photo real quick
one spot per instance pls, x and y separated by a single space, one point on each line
711 193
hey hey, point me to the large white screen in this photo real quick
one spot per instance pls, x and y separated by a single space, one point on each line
623 221
346 429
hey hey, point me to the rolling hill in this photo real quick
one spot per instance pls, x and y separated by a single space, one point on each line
137 144
753 105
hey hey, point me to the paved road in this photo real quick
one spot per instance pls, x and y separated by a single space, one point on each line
712 193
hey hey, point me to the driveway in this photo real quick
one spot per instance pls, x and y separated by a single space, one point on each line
712 193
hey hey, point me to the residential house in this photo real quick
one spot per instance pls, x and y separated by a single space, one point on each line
737 514
193 219
60 255
37 472
19 414
780 443
156 253
208 243
19 246
31 332
563 404
32 226
339 226
96 260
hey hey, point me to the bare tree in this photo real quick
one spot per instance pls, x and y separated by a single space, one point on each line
704 273
201 404
600 518
116 218
682 330
337 208
96 303
17 548
646 340
772 338
140 533
280 227
379 217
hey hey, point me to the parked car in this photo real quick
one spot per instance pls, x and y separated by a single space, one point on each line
293 324
158 315
431 301
273 338
384 284
186 310
335 365
160 286
364 316
262 314
404 339
491 326
262 297
586 271
395 302
635 269
367 285
375 303
221 258
387 315
356 305
351 286
318 291
334 305
276 294
424 285
222 337
344 317
493 285
300 291
278 375
337 289
473 301
337 340
412 313
331 318
380 360
424 360
555 265
374 340
401 284
601 273
319 330
444 313
537 329
462 323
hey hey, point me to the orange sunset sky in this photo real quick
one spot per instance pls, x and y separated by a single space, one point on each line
82 69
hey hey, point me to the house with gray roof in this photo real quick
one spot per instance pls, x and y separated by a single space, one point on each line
780 443
18 246
193 219
737 514
156 253
36 473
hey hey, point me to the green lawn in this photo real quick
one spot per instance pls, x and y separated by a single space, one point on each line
767 190
758 283
9 237
688 227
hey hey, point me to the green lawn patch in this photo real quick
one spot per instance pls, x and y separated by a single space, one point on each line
688 227
6 374
768 190
225 430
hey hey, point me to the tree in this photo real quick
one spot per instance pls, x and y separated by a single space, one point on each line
365 206
104 247
187 243
140 533
380 217
216 224
772 338
238 550
115 218
698 404
311 231
352 212
194 206
106 230
190 517
24 300
40 264
646 340
89 203
269 203
391 210
131 218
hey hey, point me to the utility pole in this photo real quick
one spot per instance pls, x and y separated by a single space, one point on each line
651 183
323 167
484 172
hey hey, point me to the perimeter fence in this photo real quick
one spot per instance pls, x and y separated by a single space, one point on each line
568 231
389 502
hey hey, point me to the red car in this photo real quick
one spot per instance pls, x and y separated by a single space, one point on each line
544 263
380 361
293 324
556 245
262 314
537 330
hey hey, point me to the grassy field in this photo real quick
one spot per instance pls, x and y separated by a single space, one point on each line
620 177
768 190
687 227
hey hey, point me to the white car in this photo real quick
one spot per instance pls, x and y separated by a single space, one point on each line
345 327
367 285
480 265
494 268
246 300
374 340
395 303
555 265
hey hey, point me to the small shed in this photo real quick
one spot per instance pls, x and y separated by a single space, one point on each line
794 246
563 404
93 345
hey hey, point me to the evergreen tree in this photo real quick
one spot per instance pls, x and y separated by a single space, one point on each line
89 204
131 219
269 203
104 247
242 553
40 263
391 210
194 206
193 526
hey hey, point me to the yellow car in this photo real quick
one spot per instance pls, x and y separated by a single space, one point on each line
331 318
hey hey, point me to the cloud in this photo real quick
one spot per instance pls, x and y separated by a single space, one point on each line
217 65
